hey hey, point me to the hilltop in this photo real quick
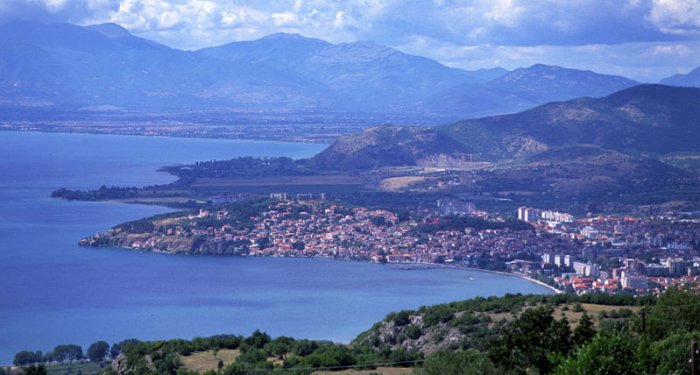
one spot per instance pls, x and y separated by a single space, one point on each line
642 119
586 149
386 146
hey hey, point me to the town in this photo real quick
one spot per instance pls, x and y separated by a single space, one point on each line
610 254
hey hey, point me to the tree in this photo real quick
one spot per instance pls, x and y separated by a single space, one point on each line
675 311
670 355
97 351
304 347
235 369
402 318
584 332
68 352
258 339
606 354
35 370
115 350
413 332
280 346
126 345
531 342
26 357
468 362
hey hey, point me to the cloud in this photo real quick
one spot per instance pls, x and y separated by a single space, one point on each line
494 22
680 17
55 10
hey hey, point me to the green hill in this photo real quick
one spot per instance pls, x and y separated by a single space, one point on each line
387 146
641 119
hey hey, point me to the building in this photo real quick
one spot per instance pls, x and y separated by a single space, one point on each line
548 258
527 214
310 197
586 269
633 281
631 264
559 260
590 232
580 268
557 216
230 198
280 196
455 207
676 267
655 269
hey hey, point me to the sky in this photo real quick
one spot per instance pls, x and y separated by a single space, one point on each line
642 39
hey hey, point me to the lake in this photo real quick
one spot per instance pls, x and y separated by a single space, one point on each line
55 292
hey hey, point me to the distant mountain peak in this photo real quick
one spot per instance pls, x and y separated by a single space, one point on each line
289 36
691 79
110 30
540 66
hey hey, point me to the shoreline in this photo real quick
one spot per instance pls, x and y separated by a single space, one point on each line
519 275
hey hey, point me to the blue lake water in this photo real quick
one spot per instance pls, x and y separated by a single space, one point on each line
53 291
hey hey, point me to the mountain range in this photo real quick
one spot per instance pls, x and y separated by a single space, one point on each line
636 146
642 120
104 66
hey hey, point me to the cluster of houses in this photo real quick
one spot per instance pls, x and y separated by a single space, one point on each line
591 254
637 254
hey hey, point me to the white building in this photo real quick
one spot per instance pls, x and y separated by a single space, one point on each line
586 269
559 260
632 281
568 261
590 232
557 216
527 214
548 258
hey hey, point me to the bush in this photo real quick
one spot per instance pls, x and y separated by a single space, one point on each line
402 318
468 362
413 332
438 314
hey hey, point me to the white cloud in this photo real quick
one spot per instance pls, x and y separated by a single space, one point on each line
505 12
676 16
285 19
673 50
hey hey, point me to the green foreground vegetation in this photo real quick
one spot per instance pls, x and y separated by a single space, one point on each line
515 334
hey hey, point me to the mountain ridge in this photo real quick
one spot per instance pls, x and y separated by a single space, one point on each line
690 79
69 66
644 119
